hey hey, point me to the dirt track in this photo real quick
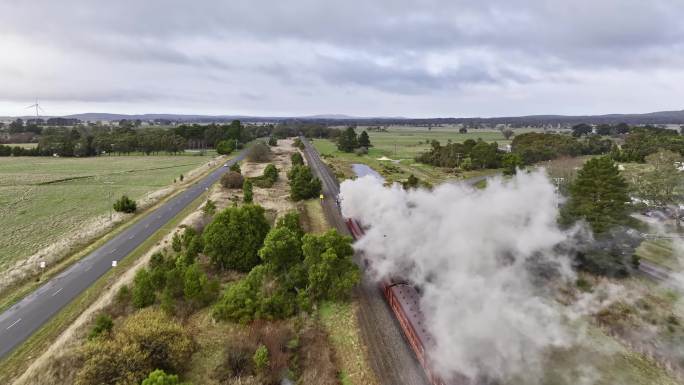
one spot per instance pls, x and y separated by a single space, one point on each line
392 360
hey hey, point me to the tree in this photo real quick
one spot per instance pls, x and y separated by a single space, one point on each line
159 377
581 129
659 184
232 179
272 141
198 289
507 133
143 289
247 193
484 155
463 130
511 162
364 140
297 159
303 184
271 173
125 205
225 147
347 141
331 272
233 239
598 195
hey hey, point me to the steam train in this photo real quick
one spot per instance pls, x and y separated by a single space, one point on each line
404 300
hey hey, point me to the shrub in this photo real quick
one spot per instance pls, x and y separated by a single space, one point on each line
209 208
247 191
234 237
146 341
259 153
232 179
303 185
361 151
298 143
159 377
235 167
103 324
272 141
143 289
225 147
297 159
271 173
260 358
125 205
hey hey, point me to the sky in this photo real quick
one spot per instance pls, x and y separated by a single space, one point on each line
421 58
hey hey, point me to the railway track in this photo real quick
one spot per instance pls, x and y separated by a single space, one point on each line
389 353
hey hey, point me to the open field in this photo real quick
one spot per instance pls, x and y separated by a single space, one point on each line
42 199
341 163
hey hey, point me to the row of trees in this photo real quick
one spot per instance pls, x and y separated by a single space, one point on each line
468 155
535 147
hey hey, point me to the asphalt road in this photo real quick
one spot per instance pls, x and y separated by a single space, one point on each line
24 318
393 362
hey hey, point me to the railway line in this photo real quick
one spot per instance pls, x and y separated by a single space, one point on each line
389 353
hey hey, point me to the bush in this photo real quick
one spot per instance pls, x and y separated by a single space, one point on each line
235 167
209 208
303 185
143 289
233 239
225 147
103 324
232 179
297 159
259 153
260 358
299 144
125 205
247 193
268 178
361 151
159 377
146 341
272 141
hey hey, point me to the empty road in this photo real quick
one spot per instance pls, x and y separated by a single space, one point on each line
24 318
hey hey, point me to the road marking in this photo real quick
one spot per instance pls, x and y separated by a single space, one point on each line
89 267
131 237
15 322
112 252
57 292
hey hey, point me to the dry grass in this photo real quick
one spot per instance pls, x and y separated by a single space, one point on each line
312 217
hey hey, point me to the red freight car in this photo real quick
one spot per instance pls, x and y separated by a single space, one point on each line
404 300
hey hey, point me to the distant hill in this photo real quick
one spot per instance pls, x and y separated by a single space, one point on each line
662 117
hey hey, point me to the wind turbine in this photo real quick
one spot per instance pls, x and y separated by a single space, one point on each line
36 106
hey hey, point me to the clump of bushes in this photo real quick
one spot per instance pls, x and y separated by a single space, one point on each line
259 153
269 177
125 205
297 159
303 184
232 179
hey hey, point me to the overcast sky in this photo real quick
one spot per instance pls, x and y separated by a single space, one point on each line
358 57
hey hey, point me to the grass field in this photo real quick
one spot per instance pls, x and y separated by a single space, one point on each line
42 199
341 162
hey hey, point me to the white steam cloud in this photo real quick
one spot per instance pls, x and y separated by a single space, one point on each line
472 252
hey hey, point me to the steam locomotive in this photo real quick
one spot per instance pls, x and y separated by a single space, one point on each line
404 300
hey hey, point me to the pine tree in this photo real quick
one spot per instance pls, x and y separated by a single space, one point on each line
364 140
598 195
